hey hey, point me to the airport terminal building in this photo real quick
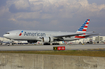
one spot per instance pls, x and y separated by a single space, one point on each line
94 40
3 39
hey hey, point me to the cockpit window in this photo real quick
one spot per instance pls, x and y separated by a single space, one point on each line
7 33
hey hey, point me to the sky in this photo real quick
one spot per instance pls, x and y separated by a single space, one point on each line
52 15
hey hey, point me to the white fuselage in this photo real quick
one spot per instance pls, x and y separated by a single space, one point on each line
36 35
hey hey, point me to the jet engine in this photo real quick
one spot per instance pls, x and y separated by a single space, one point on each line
48 39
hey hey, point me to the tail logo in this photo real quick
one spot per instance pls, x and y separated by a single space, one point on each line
83 29
21 33
84 26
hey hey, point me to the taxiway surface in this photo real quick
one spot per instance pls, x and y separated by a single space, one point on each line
49 47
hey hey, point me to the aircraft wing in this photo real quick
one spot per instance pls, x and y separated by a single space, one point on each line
60 36
90 35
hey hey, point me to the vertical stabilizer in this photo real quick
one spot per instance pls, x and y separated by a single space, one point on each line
84 27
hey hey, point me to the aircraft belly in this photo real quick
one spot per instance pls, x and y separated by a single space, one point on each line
27 38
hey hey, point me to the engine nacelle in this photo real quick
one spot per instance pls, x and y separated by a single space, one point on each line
48 39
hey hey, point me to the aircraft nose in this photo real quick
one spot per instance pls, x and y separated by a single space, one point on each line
4 35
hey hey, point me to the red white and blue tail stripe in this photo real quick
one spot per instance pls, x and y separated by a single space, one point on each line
84 27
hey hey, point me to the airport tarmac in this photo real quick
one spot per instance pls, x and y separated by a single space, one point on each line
49 47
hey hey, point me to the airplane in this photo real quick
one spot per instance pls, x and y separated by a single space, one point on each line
48 37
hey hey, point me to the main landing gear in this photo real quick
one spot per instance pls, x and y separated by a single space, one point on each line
52 44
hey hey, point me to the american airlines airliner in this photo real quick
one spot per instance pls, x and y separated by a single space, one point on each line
47 37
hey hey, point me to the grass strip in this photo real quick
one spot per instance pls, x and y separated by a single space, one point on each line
69 52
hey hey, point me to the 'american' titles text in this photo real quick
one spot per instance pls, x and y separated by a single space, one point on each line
34 34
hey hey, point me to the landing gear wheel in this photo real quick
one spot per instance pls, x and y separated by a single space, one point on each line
46 44
55 43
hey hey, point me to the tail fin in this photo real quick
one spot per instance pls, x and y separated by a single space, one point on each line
84 27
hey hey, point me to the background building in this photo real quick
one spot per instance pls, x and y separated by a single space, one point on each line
91 40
